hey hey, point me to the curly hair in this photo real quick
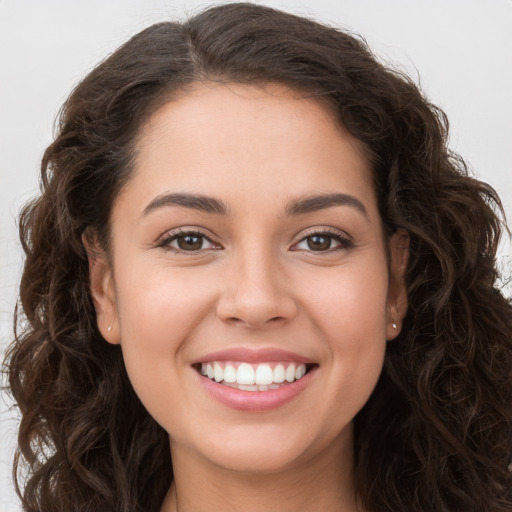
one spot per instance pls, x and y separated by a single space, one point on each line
436 434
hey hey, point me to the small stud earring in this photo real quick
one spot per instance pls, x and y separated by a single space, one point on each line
109 328
394 326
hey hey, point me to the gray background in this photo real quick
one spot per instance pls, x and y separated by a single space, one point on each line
459 50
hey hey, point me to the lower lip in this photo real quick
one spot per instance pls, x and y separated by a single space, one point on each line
256 400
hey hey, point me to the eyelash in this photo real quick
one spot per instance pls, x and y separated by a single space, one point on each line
343 241
165 243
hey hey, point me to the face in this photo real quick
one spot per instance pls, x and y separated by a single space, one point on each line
250 287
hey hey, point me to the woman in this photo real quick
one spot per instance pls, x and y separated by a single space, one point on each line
256 278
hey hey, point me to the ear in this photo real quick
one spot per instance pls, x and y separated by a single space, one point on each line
101 281
397 293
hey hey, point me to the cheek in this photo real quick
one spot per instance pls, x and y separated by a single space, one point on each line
160 305
158 311
348 311
349 301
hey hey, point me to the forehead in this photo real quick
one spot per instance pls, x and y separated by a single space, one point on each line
235 139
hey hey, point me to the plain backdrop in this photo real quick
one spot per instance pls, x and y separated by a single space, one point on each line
459 51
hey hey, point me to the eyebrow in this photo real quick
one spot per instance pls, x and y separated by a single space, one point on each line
295 207
323 201
195 201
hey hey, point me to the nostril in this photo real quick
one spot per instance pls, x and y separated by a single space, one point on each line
253 321
234 320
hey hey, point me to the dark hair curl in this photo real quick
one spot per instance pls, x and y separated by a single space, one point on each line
436 434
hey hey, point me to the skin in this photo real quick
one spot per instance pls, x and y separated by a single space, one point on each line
256 284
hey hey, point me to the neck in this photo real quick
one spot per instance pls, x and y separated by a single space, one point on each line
324 482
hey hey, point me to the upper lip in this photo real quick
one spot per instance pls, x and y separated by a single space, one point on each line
262 355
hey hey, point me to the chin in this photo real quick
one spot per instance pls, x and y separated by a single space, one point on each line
266 450
258 460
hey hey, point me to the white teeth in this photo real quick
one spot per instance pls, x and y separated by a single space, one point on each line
229 373
290 373
253 377
251 388
279 374
247 388
245 374
218 374
264 375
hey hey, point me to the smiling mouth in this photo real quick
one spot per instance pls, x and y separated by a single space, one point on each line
254 377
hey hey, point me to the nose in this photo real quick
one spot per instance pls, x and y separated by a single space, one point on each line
256 292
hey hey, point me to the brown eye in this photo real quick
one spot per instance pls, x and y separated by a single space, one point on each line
187 241
319 242
190 242
323 241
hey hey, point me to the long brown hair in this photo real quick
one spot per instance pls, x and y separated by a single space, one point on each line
436 434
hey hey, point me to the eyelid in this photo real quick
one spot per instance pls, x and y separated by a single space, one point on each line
171 235
342 237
